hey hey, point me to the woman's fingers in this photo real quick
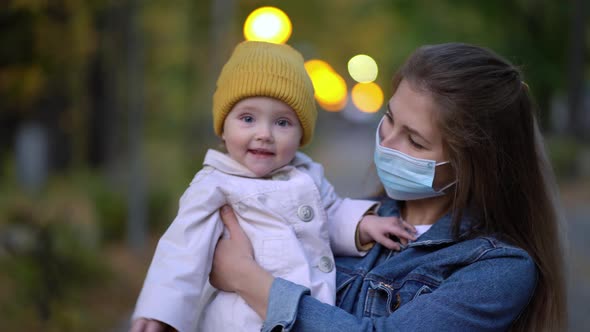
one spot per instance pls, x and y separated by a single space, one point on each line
155 326
230 221
388 243
149 325
230 253
403 241
407 226
236 233
138 325
401 232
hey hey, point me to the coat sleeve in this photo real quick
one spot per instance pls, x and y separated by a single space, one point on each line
487 295
181 264
343 214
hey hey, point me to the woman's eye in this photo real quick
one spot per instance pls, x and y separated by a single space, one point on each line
389 119
416 145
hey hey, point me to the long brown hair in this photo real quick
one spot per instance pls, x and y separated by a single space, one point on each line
505 183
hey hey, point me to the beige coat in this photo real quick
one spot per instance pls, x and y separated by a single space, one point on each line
294 219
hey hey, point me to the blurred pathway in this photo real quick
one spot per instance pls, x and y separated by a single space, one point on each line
345 149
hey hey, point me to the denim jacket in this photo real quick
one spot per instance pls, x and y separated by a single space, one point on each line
436 283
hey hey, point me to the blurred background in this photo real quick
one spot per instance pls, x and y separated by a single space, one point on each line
105 118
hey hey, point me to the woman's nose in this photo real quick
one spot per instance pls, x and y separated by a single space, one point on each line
388 139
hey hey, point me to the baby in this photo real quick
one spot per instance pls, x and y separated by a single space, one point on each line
263 110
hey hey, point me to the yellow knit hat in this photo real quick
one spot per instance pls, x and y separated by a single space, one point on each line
270 70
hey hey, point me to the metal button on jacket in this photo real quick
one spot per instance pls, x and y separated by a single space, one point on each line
281 177
326 264
305 212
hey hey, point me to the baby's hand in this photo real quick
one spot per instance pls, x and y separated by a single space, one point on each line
375 228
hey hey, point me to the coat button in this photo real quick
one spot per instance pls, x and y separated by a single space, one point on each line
305 213
326 264
281 177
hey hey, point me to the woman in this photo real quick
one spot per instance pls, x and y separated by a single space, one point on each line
459 154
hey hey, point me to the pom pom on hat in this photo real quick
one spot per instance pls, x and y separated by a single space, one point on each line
270 70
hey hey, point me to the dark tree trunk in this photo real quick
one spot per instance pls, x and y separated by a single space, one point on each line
576 57
136 232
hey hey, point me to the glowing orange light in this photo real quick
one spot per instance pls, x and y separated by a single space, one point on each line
367 97
330 88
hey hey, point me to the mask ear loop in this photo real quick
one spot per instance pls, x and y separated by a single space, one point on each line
450 184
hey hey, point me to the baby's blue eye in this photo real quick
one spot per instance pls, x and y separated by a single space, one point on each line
247 119
283 123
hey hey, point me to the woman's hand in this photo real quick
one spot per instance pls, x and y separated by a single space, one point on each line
232 254
150 325
234 268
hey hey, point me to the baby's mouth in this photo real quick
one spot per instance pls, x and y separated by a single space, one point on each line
259 152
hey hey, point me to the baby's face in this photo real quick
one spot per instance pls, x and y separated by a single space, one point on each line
262 134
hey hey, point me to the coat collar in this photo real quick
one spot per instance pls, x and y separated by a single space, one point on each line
224 163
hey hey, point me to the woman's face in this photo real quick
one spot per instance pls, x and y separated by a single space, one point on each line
410 126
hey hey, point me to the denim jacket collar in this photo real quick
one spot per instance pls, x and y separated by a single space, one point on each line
439 233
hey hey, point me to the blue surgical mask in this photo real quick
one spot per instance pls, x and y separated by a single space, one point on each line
405 177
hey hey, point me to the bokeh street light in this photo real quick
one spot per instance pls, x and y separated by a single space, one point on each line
268 24
367 97
362 68
330 88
